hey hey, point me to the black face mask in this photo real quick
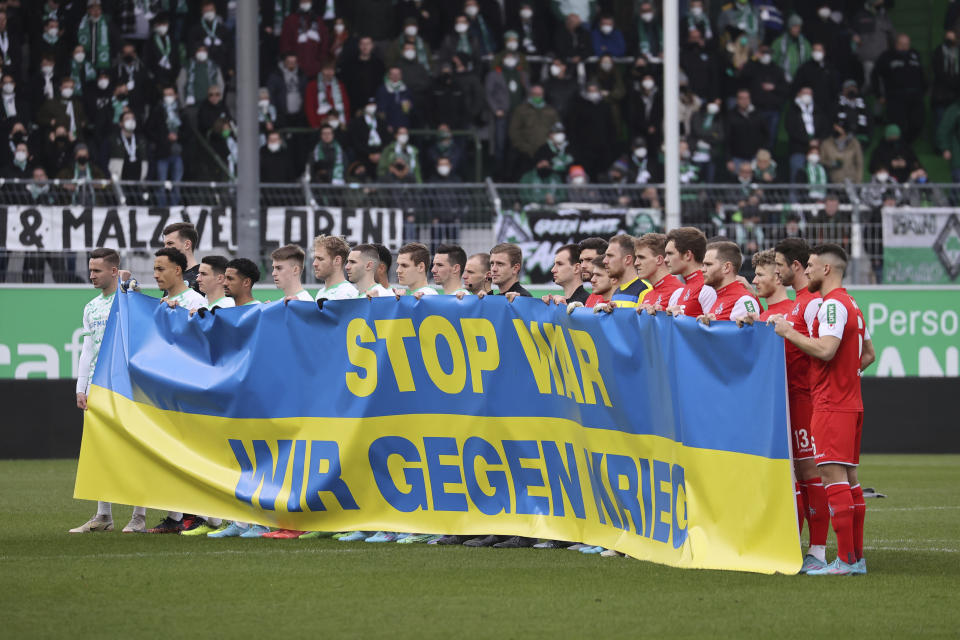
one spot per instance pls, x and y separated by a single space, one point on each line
61 140
82 160
129 59
19 137
543 172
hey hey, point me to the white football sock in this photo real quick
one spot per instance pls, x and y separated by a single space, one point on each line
140 511
105 509
241 525
175 515
819 552
214 522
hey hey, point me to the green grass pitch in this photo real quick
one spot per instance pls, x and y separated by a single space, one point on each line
108 585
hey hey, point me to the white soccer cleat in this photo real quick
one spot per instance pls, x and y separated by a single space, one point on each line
95 524
137 524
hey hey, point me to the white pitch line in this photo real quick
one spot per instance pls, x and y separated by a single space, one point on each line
926 549
173 554
869 510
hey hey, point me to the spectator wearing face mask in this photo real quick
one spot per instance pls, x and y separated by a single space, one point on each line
131 72
212 109
768 91
697 18
197 76
161 56
400 160
443 172
506 89
287 86
276 164
485 24
573 42
530 124
813 174
128 152
394 100
16 135
66 110
57 152
445 146
649 34
547 181
609 77
646 110
842 156
340 38
77 176
896 154
82 72
112 102
743 16
367 135
804 123
410 35
899 81
362 72
511 47
643 166
561 87
211 32
43 83
416 77
11 47
791 49
556 150
821 76
706 136
97 35
20 166
462 45
448 102
593 138
266 115
164 133
746 133
223 140
328 161
326 96
852 112
13 107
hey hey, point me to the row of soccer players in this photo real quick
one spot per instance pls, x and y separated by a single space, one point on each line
643 273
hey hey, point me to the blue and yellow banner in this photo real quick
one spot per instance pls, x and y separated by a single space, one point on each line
658 437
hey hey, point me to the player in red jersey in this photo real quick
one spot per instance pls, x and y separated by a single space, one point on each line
601 282
650 256
768 284
792 256
840 348
735 301
684 258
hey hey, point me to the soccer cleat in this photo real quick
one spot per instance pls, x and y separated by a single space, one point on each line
284 534
339 535
447 540
514 542
95 524
227 531
137 524
551 544
434 539
191 522
354 536
402 536
592 550
255 531
382 536
860 567
811 562
167 525
578 546
610 553
312 535
482 541
416 538
200 528
836 568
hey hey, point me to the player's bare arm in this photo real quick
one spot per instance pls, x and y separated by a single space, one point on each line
82 401
868 356
823 348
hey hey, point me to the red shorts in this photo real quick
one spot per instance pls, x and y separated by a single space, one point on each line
801 413
837 435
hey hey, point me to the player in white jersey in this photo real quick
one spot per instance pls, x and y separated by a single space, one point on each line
362 263
449 262
287 272
210 279
412 262
329 257
168 267
104 267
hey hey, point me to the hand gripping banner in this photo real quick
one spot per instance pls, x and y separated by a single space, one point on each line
658 437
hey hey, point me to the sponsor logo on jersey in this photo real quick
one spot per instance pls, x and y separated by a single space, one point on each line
719 308
832 314
796 310
749 305
686 296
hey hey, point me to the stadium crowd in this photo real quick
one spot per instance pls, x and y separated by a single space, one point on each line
682 273
560 91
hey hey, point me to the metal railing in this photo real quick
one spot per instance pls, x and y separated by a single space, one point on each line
755 216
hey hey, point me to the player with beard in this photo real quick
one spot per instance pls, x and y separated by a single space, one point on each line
735 301
619 260
329 257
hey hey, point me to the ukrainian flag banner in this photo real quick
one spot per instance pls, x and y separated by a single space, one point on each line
658 437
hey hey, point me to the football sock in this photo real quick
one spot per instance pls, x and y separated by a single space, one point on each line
818 517
818 551
175 515
840 500
105 509
140 511
800 507
214 522
859 515
241 525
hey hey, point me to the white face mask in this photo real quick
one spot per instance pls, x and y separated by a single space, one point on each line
339 28
20 156
696 12
806 99
370 109
813 158
403 139
263 104
648 84
471 11
410 30
556 70
8 88
766 58
526 14
47 70
334 122
409 54
578 180
606 65
646 17
512 45
201 56
67 92
130 124
817 55
824 12
606 29
273 146
169 100
80 56
713 108
443 169
882 176
640 152
560 137
306 6
510 62
162 30
53 33
209 15
461 27
593 96
103 83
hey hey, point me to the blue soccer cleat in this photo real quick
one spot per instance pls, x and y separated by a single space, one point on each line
354 536
382 536
592 550
255 531
860 567
230 531
811 562
836 568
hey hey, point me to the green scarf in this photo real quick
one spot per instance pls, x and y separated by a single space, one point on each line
950 60
81 74
816 175
320 155
644 36
790 53
561 159
463 44
745 18
94 37
199 80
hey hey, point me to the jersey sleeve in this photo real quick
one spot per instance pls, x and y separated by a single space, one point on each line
675 297
86 355
810 314
833 318
743 306
194 301
707 297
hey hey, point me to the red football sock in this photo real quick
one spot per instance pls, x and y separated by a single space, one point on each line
840 500
859 515
801 505
818 517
